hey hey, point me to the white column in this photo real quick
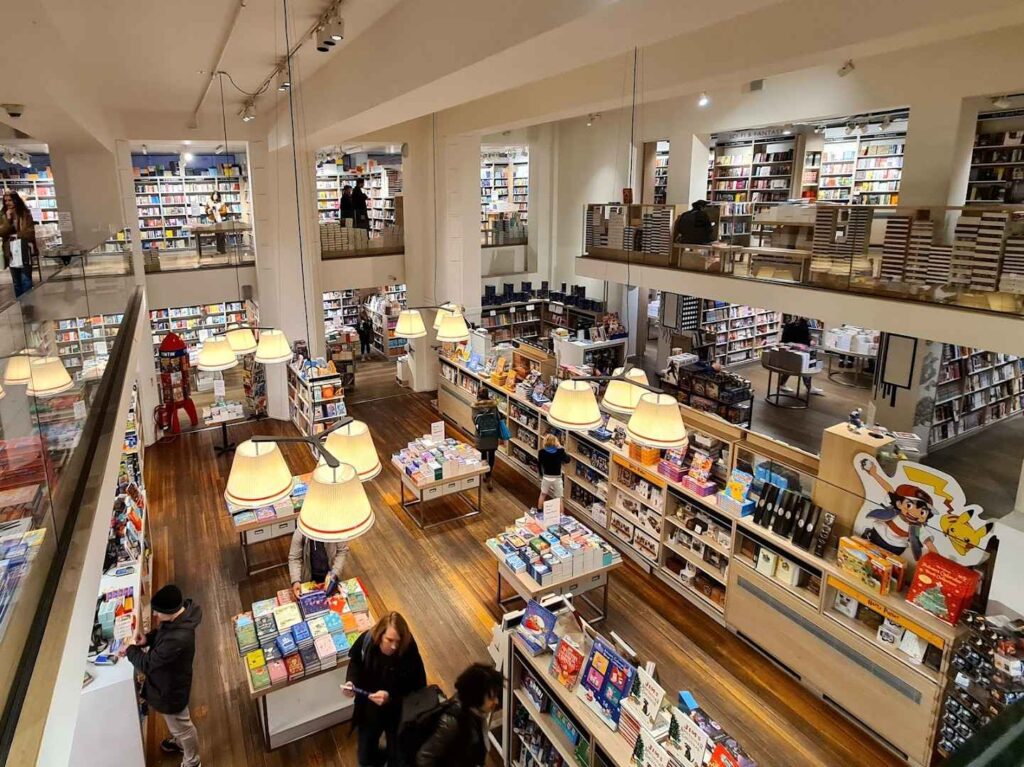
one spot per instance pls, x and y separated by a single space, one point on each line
939 137
687 168
129 208
86 185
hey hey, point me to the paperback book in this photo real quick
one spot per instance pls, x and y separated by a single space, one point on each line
536 627
606 679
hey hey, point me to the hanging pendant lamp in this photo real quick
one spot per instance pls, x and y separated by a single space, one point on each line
657 422
18 372
335 508
47 377
215 355
241 340
574 407
453 329
273 348
410 324
446 310
622 397
259 476
353 444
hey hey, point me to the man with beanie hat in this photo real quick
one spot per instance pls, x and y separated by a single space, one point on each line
165 656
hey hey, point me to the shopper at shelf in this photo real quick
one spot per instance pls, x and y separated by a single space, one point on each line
487 421
164 657
460 739
346 209
550 460
310 560
365 330
216 211
18 232
797 330
384 666
694 227
359 211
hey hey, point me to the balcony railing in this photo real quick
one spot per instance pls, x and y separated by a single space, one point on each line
971 257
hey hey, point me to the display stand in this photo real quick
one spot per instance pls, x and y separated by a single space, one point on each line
266 523
311 410
298 709
857 378
462 486
775 395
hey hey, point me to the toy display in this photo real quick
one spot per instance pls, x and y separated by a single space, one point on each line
175 384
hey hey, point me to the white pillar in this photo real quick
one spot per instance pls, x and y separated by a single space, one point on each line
86 184
936 150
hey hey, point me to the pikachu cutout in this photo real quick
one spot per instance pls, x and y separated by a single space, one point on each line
920 509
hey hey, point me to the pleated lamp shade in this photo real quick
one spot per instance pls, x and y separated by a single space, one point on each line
2 392
410 324
353 444
574 407
259 476
47 377
453 328
273 348
657 422
441 314
242 341
17 372
621 396
335 508
216 354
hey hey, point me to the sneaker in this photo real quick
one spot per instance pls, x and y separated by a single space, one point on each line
170 746
817 391
786 389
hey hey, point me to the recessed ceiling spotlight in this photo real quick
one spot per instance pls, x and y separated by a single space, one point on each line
703 101
1001 102
187 157
849 128
846 68
886 122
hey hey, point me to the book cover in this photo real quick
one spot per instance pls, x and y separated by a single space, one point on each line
318 627
536 627
341 643
355 596
686 741
278 671
324 645
263 607
313 604
567 661
301 634
260 678
266 626
648 695
348 622
293 663
647 752
605 680
363 621
333 621
285 596
721 757
254 659
286 645
286 616
310 660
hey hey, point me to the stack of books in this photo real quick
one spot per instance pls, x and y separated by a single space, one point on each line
245 633
302 635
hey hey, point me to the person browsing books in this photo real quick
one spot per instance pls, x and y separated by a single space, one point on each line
384 666
346 211
18 233
164 657
487 421
550 460
365 330
310 560
359 211
797 330
460 739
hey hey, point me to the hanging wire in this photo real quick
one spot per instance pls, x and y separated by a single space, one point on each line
237 87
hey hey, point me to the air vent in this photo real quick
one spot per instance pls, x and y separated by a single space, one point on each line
756 85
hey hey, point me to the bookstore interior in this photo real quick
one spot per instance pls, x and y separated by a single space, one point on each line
685 531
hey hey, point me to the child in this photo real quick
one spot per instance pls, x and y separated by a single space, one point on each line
550 460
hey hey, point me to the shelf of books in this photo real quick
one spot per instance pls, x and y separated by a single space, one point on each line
661 172
740 332
341 307
975 389
383 308
170 200
504 187
382 185
997 159
809 178
84 343
746 172
195 323
316 396
36 188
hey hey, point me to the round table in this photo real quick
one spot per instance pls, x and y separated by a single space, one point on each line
858 378
796 401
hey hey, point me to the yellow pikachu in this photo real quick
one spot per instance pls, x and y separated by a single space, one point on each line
961 534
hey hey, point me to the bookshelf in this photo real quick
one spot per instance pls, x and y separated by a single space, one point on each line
661 172
878 172
84 343
739 332
383 308
315 402
341 307
37 189
195 323
382 185
975 389
809 176
504 186
746 172
997 159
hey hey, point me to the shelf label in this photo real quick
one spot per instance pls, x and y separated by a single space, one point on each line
493 314
437 431
552 513
529 307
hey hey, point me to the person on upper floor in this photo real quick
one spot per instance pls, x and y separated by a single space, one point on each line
346 209
18 233
694 227
359 206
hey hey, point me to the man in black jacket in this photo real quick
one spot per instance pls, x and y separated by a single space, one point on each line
694 227
165 656
460 739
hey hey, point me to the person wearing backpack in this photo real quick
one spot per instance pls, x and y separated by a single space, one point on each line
460 739
384 667
487 420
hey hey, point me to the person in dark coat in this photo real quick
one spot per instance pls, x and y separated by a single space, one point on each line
460 739
164 656
360 213
345 207
487 421
384 666
797 330
365 330
694 227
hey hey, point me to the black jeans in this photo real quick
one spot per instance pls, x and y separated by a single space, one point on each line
364 346
369 752
490 455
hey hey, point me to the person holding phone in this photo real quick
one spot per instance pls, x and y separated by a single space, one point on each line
18 232
384 666
310 560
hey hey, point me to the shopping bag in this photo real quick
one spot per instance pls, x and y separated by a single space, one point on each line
17 246
503 429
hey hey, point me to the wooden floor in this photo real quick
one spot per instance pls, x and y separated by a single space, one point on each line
444 582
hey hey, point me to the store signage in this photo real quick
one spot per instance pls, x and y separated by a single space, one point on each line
219 389
920 509
552 513
437 431
64 222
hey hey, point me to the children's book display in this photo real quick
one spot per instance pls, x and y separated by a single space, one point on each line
283 639
606 679
267 514
536 628
427 460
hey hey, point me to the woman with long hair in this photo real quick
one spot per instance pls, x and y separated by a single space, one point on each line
384 666
18 232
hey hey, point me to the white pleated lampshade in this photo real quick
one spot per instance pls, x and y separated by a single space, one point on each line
440 314
335 508
47 377
657 422
410 324
574 407
273 348
215 354
17 372
353 444
259 476
453 328
622 396
242 340
2 392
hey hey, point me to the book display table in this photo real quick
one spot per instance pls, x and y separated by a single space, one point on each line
223 229
462 486
267 523
857 377
295 656
432 467
571 560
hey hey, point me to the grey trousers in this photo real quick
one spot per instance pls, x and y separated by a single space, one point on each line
184 734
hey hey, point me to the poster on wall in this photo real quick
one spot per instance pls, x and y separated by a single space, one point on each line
918 510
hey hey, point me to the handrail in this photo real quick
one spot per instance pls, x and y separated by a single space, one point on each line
25 712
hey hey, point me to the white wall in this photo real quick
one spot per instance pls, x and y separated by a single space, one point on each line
370 272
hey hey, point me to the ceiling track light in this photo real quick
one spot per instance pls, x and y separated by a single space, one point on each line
703 100
283 82
336 29
248 112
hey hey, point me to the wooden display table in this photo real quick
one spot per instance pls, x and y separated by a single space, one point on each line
526 588
858 378
258 530
429 491
222 229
